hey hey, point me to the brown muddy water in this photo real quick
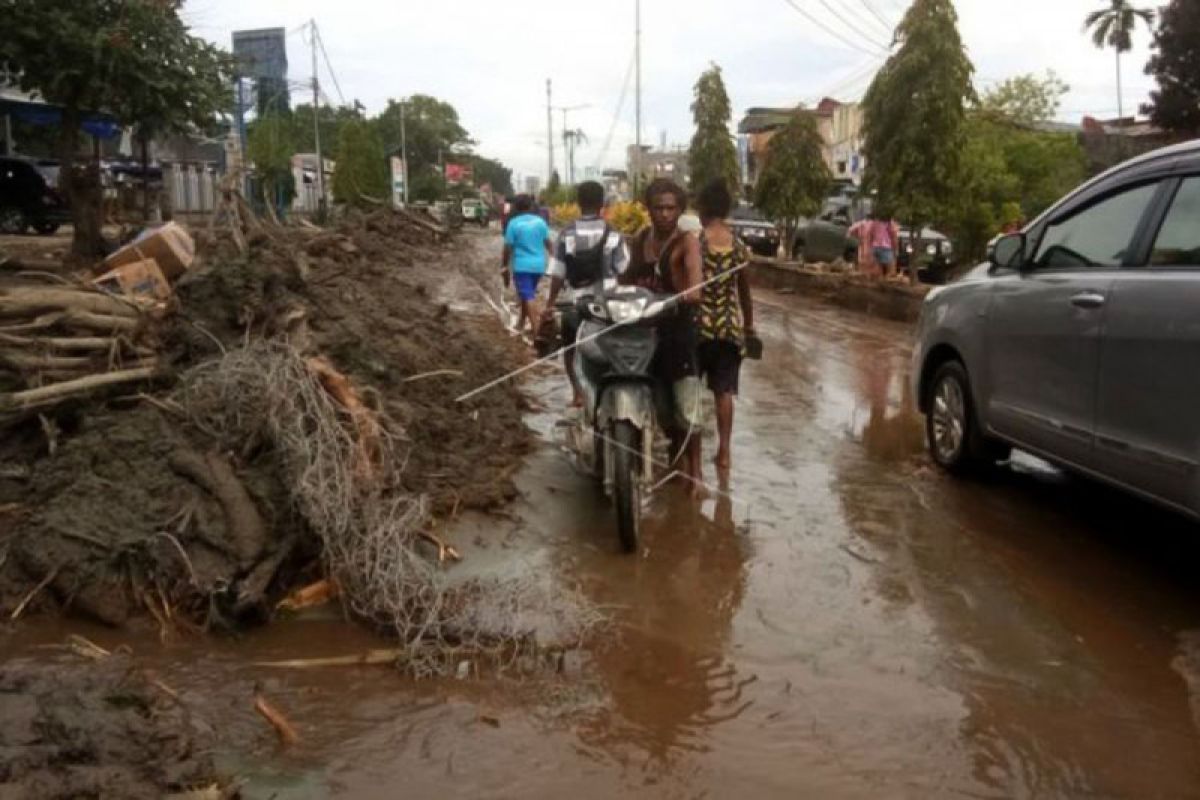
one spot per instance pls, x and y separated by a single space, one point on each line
841 622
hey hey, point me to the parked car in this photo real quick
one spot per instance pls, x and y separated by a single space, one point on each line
827 238
757 232
28 199
1078 340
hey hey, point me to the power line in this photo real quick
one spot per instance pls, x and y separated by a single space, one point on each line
616 115
889 26
328 65
850 24
804 13
858 20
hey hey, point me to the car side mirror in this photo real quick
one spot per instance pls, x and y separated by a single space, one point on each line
1009 252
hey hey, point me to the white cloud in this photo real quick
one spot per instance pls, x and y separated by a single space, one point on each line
491 59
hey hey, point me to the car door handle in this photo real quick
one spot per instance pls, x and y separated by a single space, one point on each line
1087 300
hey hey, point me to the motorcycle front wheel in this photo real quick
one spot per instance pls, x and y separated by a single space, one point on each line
627 486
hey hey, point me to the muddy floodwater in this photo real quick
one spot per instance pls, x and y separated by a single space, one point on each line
838 621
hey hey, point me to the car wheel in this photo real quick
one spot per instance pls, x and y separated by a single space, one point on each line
952 430
46 228
798 252
12 220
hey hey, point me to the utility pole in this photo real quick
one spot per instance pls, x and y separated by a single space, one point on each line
549 135
404 150
316 87
637 58
569 139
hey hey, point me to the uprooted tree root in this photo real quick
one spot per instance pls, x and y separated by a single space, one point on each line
371 529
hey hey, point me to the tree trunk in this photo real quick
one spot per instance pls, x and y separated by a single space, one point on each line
82 191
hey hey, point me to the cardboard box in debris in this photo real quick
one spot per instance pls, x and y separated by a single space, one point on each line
145 268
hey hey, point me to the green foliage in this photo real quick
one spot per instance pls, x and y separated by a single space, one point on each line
712 154
270 148
1026 99
1175 105
432 132
492 172
361 173
795 179
557 193
134 59
915 115
1114 25
1011 173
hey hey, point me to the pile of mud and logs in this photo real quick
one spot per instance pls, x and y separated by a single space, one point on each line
286 418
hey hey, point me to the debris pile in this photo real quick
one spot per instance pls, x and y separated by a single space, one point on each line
303 427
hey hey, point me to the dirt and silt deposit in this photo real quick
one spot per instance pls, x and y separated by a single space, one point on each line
299 428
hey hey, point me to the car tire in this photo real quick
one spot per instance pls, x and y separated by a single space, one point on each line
955 440
46 228
798 252
13 221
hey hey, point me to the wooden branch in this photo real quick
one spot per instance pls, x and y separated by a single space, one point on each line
48 395
246 534
432 227
70 343
100 322
34 300
31 363
370 657
287 733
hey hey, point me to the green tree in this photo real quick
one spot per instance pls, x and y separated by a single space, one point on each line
1175 105
1026 99
493 173
914 116
134 59
329 119
432 133
360 177
795 178
1113 27
712 154
270 148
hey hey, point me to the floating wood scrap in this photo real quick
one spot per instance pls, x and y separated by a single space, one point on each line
60 342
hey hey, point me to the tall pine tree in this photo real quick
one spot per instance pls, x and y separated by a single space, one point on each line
1175 105
795 178
712 154
914 118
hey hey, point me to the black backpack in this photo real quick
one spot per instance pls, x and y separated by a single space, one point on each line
586 267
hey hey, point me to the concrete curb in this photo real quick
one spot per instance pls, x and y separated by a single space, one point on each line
892 301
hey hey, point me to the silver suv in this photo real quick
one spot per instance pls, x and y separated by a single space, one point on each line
1080 340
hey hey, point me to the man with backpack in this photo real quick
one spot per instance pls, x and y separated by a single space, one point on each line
588 251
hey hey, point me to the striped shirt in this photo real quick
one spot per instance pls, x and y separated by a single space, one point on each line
583 234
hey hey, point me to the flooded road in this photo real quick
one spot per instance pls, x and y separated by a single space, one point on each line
839 621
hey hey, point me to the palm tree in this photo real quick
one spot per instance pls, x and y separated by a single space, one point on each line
1113 27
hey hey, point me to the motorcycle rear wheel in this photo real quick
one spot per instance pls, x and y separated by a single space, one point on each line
627 487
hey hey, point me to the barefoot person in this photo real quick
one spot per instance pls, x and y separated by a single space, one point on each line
668 260
726 310
588 251
526 248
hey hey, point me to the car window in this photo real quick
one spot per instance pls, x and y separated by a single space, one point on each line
1097 236
1178 242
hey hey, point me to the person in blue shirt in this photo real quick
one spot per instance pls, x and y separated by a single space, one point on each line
526 249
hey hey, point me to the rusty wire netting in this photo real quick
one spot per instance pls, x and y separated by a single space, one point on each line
371 528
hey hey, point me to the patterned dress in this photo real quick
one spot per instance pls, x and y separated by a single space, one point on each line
720 313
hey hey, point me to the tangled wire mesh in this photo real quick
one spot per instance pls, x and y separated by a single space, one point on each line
370 527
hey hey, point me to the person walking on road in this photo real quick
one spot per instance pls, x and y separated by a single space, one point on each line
668 260
885 243
726 316
588 252
526 249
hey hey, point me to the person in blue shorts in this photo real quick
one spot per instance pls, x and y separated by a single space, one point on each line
526 249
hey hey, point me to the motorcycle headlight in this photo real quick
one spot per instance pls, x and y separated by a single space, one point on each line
620 311
931 249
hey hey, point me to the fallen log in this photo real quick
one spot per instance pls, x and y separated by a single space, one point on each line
30 300
432 227
105 323
370 657
29 362
70 343
244 527
55 393
287 734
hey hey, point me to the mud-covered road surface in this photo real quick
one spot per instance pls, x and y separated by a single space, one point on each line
839 621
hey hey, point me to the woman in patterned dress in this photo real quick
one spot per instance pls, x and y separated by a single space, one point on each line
726 315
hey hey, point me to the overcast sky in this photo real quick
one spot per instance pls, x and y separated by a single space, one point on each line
491 59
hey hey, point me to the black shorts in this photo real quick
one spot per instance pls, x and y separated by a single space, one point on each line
720 363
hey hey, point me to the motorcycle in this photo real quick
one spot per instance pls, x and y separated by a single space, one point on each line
613 437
